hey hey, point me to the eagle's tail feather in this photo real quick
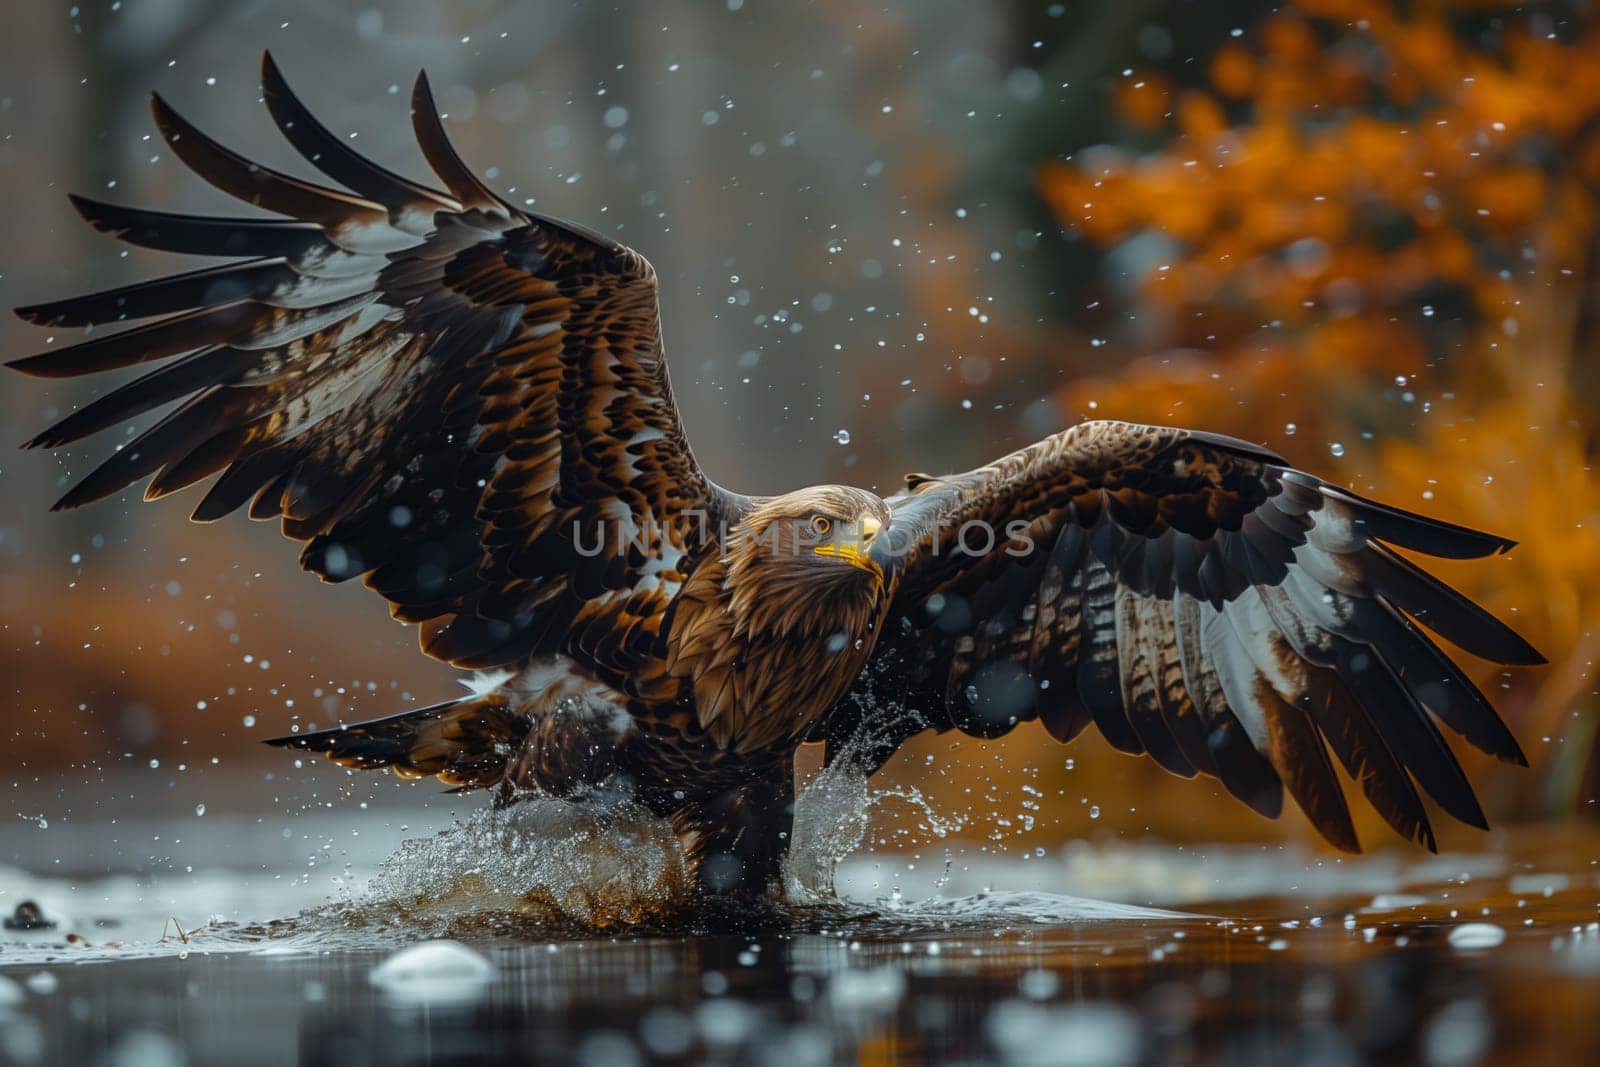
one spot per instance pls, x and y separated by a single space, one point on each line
465 742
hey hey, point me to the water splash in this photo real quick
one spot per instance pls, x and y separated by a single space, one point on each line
830 822
604 862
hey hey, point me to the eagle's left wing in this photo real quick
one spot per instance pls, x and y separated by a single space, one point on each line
436 391
1196 599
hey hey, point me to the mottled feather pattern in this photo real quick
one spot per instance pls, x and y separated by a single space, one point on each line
770 636
466 405
435 391
1202 602
428 388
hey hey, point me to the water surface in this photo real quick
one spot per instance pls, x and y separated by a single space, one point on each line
552 936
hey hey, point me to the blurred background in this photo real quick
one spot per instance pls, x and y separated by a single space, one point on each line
1363 233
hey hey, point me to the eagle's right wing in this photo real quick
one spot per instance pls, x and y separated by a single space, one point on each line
435 391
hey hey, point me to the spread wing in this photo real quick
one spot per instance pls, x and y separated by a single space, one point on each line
432 390
1196 599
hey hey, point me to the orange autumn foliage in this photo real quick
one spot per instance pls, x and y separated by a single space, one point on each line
1378 240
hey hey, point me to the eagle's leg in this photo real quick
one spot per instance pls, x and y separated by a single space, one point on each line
742 835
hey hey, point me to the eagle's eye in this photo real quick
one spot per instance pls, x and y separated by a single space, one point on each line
821 525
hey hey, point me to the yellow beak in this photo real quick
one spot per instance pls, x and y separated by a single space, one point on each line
853 550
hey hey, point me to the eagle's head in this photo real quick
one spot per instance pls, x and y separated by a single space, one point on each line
820 534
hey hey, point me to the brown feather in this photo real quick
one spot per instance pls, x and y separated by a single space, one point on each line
441 393
1208 604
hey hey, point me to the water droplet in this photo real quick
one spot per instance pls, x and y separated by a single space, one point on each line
842 436
1336 448
1039 985
199 809
1094 811
1472 936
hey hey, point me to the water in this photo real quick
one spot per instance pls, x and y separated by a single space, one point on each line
553 933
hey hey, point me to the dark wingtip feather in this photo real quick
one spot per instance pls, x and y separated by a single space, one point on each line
35 314
305 741
168 121
31 365
189 291
270 71
208 366
85 492
1457 618
441 155
50 437
256 184
140 344
1408 729
200 235
1397 526
1350 846
40 365
97 213
333 156
1301 758
1438 684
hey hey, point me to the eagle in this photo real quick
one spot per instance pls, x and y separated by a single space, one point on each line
465 404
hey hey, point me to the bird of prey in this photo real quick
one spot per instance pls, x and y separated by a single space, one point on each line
465 404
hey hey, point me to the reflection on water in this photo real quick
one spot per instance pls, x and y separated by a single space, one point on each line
1329 979
481 941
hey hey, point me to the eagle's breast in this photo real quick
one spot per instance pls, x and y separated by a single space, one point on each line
764 660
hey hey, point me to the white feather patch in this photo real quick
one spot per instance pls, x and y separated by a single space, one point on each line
482 683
